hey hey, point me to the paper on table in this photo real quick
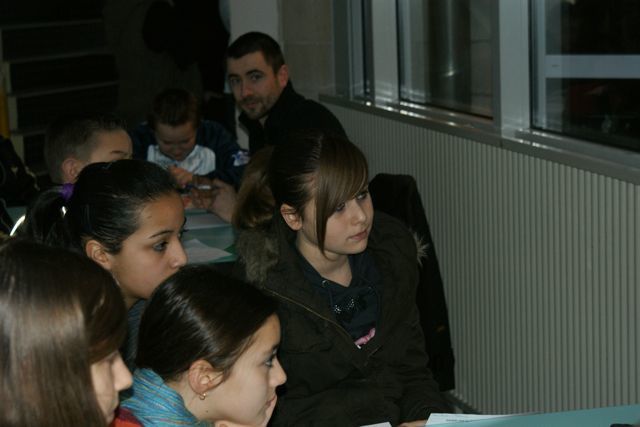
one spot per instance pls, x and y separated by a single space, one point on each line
439 419
378 425
205 220
198 252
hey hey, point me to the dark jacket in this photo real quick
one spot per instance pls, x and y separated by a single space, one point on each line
398 195
290 112
230 158
329 380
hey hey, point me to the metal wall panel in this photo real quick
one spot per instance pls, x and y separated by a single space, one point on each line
540 263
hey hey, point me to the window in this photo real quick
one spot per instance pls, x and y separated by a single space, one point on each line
586 73
565 70
445 54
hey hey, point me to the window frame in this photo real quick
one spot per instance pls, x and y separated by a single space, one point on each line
511 126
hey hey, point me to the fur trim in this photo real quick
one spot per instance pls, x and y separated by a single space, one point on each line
259 253
421 246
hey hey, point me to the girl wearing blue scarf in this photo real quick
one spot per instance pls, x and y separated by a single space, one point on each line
206 353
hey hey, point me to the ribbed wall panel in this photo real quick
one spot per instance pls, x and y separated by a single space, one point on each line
540 263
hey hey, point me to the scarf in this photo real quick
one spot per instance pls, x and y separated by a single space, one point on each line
156 404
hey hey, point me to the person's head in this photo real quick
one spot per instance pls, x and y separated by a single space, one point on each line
256 72
319 185
63 320
74 141
174 118
214 340
127 216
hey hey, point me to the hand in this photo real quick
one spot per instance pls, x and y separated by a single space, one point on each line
182 176
419 423
221 199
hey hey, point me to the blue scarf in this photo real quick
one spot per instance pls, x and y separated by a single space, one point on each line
156 404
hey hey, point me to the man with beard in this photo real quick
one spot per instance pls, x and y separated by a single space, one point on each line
259 79
271 109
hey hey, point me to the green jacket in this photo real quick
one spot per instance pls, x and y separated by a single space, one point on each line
329 380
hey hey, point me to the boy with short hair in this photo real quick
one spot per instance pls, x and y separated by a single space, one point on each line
175 136
74 141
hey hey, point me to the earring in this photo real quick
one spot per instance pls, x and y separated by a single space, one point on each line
202 396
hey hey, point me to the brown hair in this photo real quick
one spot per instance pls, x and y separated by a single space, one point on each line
254 195
74 136
310 164
60 313
174 107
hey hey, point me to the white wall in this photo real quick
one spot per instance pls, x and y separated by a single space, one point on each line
253 15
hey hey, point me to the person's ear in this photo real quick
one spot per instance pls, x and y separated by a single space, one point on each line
291 217
203 377
283 75
96 251
71 168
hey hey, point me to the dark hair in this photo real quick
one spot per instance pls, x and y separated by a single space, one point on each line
310 164
257 42
254 195
174 107
60 313
105 205
198 313
72 136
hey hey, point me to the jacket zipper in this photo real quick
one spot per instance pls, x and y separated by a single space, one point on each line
312 311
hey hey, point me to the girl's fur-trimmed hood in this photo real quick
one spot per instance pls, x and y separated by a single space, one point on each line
259 251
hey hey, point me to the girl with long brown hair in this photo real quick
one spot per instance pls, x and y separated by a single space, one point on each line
63 319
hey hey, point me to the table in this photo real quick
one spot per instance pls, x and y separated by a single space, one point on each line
597 417
206 236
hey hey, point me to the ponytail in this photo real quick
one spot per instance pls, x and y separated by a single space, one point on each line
255 205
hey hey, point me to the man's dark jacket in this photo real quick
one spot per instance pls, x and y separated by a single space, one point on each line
291 112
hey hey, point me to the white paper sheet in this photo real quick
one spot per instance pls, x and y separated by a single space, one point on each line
207 220
460 418
198 252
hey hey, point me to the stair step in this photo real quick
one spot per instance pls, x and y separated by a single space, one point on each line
38 109
41 40
13 11
60 72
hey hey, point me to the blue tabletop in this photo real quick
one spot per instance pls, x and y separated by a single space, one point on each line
598 417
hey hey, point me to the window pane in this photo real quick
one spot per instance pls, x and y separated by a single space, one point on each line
586 69
367 48
445 54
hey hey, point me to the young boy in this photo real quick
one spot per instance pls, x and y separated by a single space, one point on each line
175 136
74 141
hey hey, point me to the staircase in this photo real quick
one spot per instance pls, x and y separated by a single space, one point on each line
54 60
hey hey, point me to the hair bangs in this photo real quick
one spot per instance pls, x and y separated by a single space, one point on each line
342 173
